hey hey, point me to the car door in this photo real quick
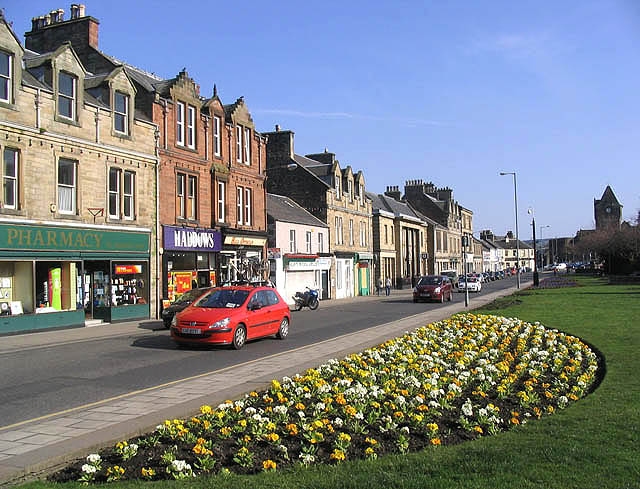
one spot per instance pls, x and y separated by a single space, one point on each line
254 317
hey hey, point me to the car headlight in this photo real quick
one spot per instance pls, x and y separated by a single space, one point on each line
174 321
220 324
415 290
437 290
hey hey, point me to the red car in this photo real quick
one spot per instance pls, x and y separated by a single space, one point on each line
232 316
434 288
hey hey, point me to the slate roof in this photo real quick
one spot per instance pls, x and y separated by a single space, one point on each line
283 209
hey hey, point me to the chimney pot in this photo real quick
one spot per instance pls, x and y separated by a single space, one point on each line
277 127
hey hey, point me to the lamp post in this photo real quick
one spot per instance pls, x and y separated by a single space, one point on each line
515 199
536 278
465 242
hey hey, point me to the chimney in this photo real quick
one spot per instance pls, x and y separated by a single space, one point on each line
393 191
279 147
50 31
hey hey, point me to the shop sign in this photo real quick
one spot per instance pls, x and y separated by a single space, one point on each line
244 241
19 237
127 269
317 264
185 239
365 256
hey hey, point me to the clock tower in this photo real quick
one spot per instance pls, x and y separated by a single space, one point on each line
607 210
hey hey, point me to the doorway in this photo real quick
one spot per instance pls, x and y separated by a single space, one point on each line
97 290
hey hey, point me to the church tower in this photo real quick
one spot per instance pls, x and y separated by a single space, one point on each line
607 210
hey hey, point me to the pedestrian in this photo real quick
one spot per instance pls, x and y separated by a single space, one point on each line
379 285
387 286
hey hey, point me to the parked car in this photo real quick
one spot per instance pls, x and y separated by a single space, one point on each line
232 315
434 288
181 303
470 283
453 276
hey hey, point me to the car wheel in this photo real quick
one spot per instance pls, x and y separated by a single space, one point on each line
283 331
239 337
415 301
442 298
167 324
450 296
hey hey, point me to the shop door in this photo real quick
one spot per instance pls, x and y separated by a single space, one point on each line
97 290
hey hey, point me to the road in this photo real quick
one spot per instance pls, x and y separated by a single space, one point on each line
43 379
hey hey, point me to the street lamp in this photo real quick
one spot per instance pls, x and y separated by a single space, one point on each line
536 279
465 243
515 199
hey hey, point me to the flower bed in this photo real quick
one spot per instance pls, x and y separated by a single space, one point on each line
447 382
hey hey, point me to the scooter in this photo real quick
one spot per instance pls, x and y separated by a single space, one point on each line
308 298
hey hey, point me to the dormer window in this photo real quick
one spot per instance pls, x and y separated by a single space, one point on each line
121 112
6 83
350 189
180 123
247 145
67 95
217 138
191 127
337 187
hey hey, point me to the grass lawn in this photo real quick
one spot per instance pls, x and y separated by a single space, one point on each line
594 443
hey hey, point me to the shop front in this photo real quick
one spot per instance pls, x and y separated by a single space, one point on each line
54 276
303 270
190 260
243 257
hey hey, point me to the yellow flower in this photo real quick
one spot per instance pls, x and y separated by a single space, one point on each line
269 465
206 409
435 441
338 455
147 473
292 429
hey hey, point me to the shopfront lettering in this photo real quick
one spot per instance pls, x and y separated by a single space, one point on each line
36 238
193 239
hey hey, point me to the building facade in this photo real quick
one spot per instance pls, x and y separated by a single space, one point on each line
337 197
77 236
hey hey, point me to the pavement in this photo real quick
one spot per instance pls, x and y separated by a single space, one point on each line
32 449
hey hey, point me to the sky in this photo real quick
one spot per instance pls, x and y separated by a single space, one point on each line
448 92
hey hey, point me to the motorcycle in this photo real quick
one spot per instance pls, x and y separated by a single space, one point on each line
308 298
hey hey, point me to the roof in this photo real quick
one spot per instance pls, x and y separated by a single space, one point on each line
283 209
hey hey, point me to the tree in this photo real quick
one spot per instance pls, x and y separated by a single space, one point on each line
617 248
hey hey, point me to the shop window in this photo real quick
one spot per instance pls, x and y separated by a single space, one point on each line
58 286
128 285
16 288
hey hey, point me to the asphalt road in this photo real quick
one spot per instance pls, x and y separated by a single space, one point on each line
44 379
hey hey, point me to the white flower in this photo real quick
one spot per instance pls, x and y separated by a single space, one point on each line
94 458
89 469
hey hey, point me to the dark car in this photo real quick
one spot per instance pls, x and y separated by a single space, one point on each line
180 303
434 288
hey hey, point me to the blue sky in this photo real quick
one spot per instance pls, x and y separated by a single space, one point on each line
449 92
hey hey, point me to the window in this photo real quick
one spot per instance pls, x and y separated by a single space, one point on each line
339 238
180 124
247 145
350 232
10 179
239 204
129 195
292 241
350 189
192 197
221 201
191 127
180 200
67 93
114 193
67 186
187 196
320 243
247 206
217 138
308 241
337 184
239 144
361 194
121 192
121 112
363 233
6 75
386 234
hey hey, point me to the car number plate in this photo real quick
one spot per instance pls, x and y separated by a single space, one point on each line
425 294
190 331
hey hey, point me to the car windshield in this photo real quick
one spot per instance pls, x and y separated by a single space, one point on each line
223 298
190 295
430 281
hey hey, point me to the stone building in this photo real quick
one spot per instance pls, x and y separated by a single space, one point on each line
77 232
336 196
